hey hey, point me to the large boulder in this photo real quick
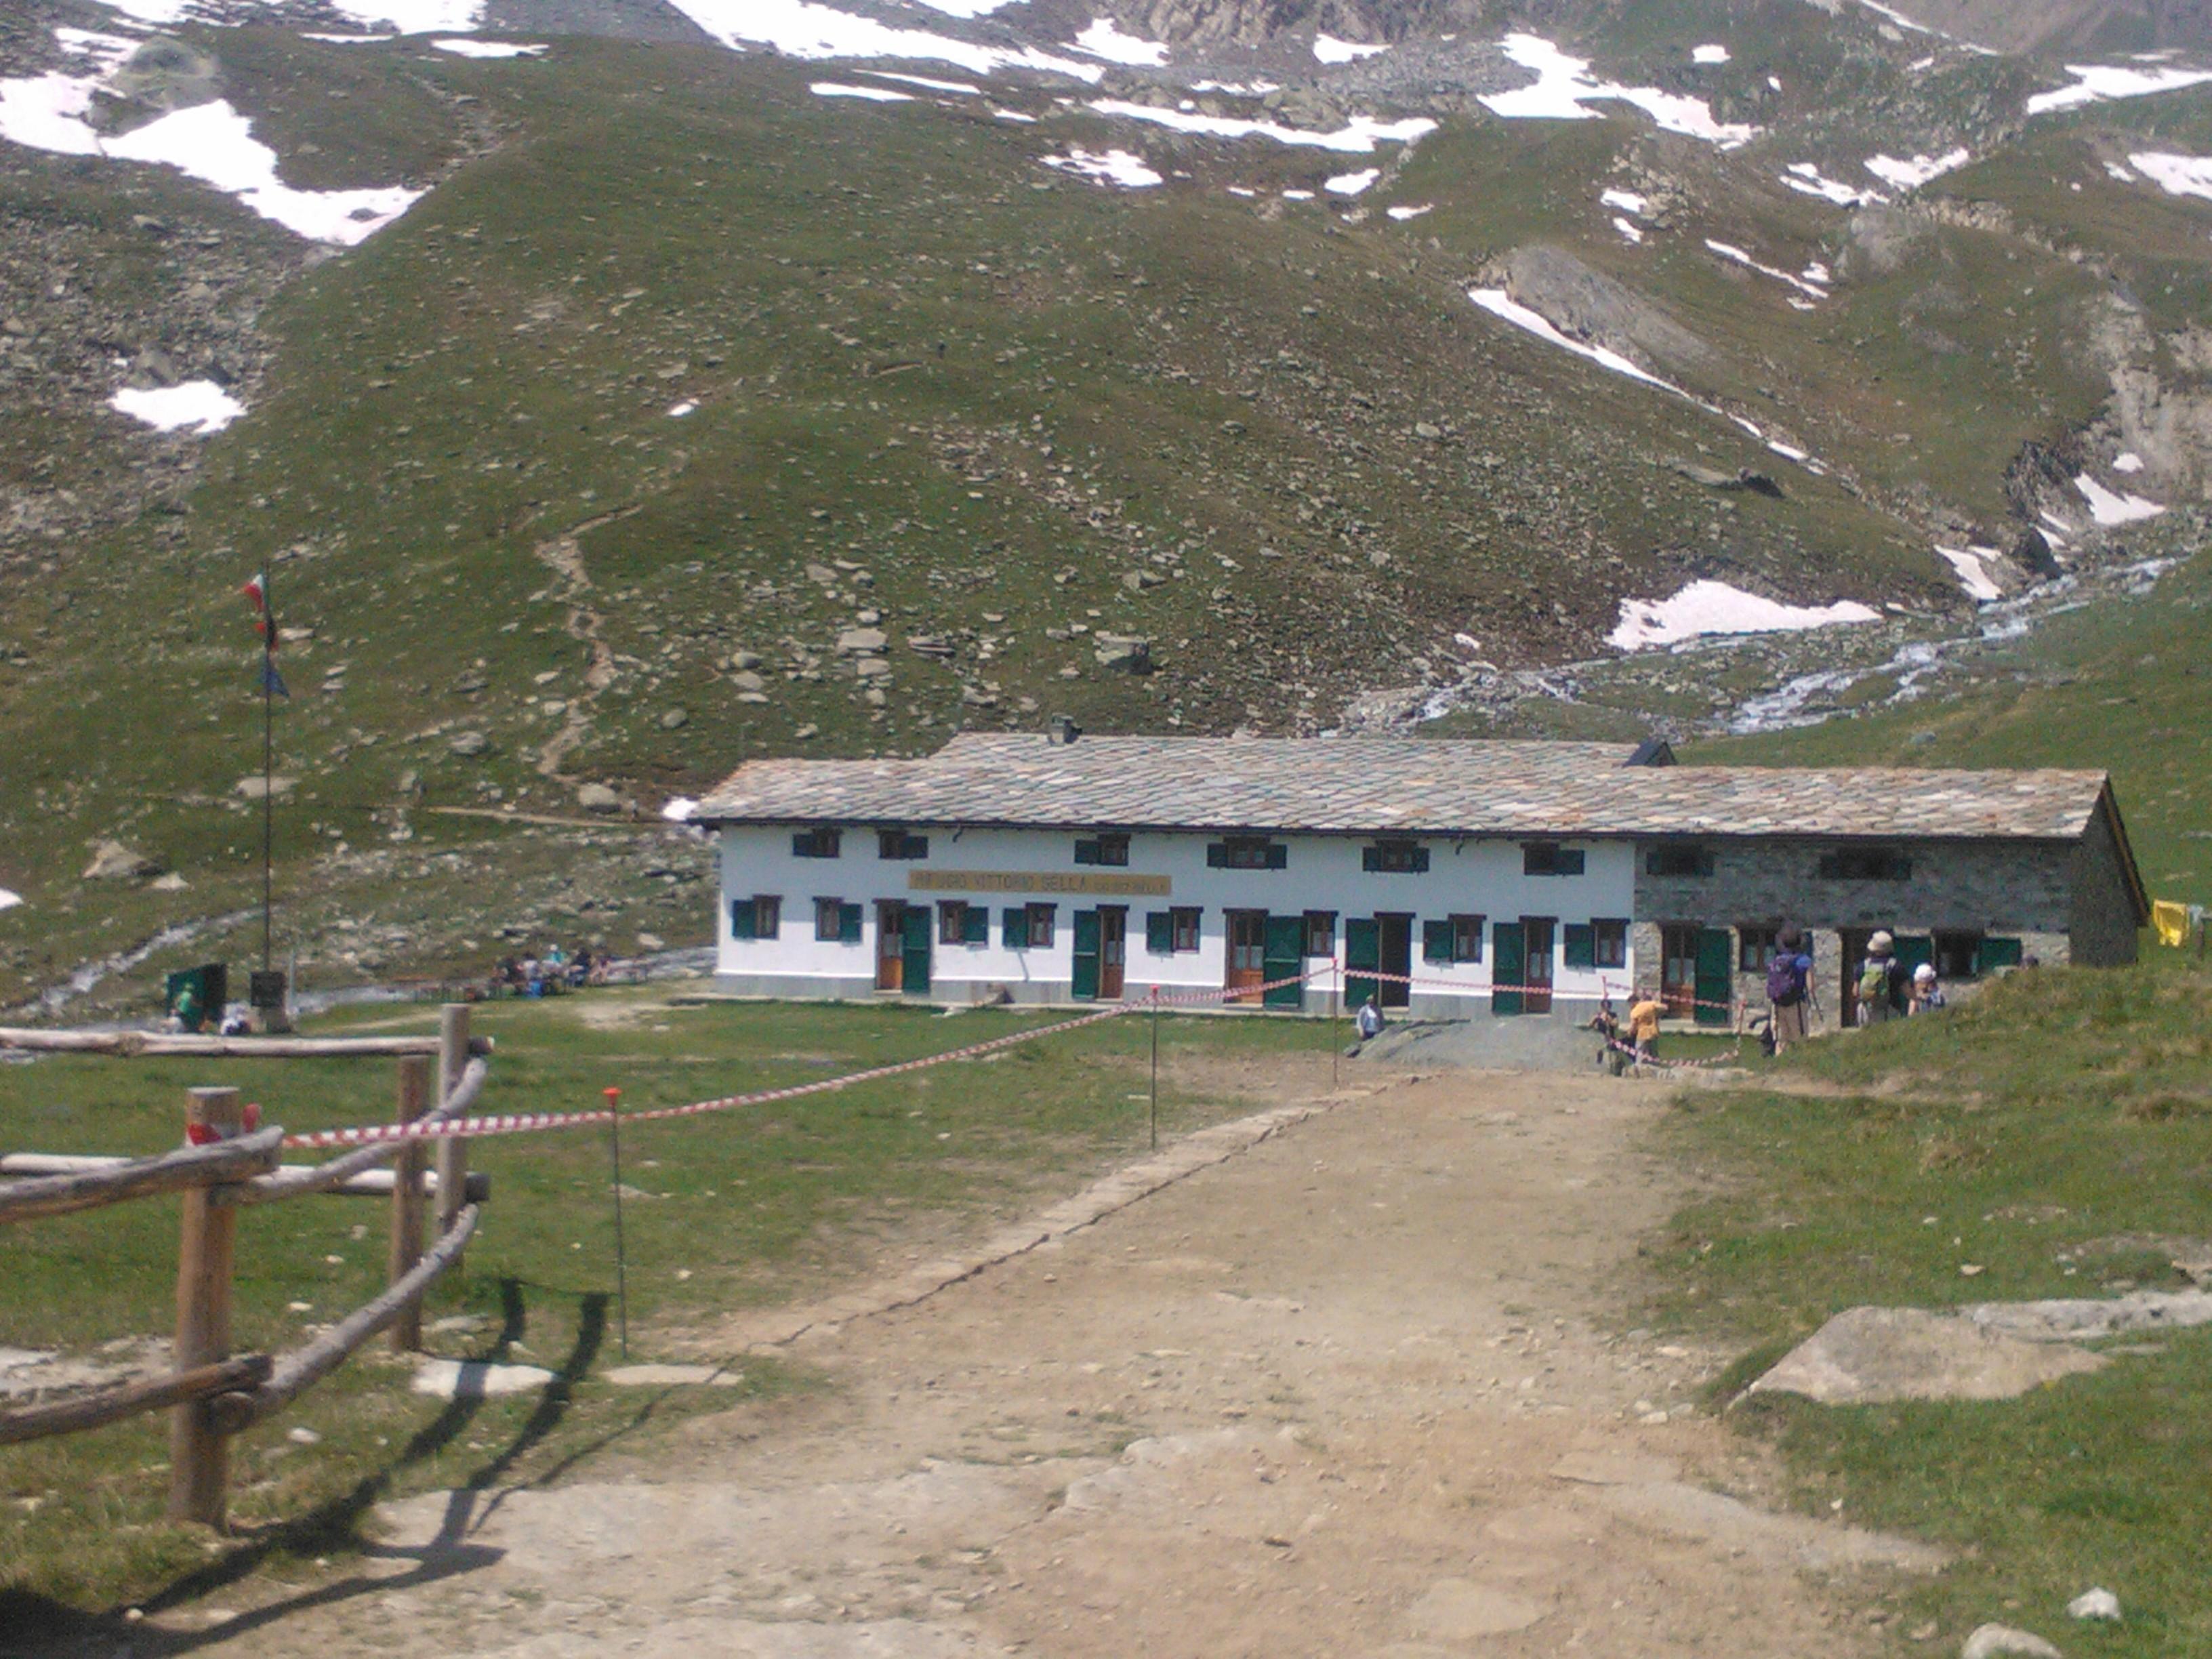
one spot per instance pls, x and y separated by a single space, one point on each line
113 861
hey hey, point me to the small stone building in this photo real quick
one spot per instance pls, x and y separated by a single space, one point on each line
1520 880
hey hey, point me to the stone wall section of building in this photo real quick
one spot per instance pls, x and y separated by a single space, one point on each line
1982 886
2105 920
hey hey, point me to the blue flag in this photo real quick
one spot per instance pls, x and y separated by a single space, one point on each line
272 681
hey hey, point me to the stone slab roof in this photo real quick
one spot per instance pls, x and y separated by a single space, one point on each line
1368 786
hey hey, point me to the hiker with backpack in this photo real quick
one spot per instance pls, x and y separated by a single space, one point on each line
1882 983
1789 989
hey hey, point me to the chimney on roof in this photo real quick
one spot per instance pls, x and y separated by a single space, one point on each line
1062 730
1652 751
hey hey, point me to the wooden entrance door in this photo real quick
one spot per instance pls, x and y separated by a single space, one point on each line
1854 940
1248 954
1678 968
1394 954
913 971
891 945
1536 934
1112 949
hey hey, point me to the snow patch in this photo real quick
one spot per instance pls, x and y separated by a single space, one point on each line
1329 50
467 48
1499 304
1729 250
1115 166
2177 175
1911 175
1015 115
198 407
350 40
965 8
1351 184
1630 231
2127 461
151 11
1711 607
1403 212
1103 39
2107 507
678 412
1627 200
2096 82
679 809
1807 179
1709 54
1237 89
9 900
960 86
1358 137
414 16
874 94
215 144
1563 85
211 142
1973 574
799 28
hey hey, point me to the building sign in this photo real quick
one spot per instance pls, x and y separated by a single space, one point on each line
1038 881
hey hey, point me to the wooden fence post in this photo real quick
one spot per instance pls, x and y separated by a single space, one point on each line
199 1455
453 1150
407 1198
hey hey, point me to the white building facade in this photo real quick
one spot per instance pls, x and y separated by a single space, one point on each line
1443 878
960 914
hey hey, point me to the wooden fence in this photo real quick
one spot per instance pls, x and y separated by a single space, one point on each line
212 1393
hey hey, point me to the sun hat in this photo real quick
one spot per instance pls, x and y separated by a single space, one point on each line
1881 945
1926 971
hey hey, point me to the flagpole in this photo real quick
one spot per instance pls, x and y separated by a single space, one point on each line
268 769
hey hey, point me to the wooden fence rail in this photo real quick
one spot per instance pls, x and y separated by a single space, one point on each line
131 1044
141 1177
211 1393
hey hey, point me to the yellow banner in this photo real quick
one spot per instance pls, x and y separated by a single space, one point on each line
2171 921
1084 882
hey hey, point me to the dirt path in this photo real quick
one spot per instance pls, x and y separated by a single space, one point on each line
1350 1390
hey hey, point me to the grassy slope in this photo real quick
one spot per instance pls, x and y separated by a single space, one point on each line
749 1207
2048 1134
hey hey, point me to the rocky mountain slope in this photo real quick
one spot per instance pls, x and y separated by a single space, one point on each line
615 389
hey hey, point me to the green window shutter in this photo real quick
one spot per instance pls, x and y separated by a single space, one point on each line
1282 956
1363 948
976 926
1435 941
1371 858
1279 856
1159 932
1014 927
1421 860
1581 945
1509 960
1216 855
741 919
1716 976
1086 851
1084 986
848 925
1996 953
1571 862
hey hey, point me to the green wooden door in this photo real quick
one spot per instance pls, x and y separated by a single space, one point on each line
1715 983
1363 948
1085 986
1509 960
1284 958
914 928
1913 949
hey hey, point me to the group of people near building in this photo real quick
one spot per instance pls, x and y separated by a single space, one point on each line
1882 987
556 970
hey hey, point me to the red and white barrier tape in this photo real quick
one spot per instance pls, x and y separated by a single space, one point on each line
528 1122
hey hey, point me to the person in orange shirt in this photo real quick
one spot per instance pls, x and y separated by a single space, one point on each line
1644 1017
